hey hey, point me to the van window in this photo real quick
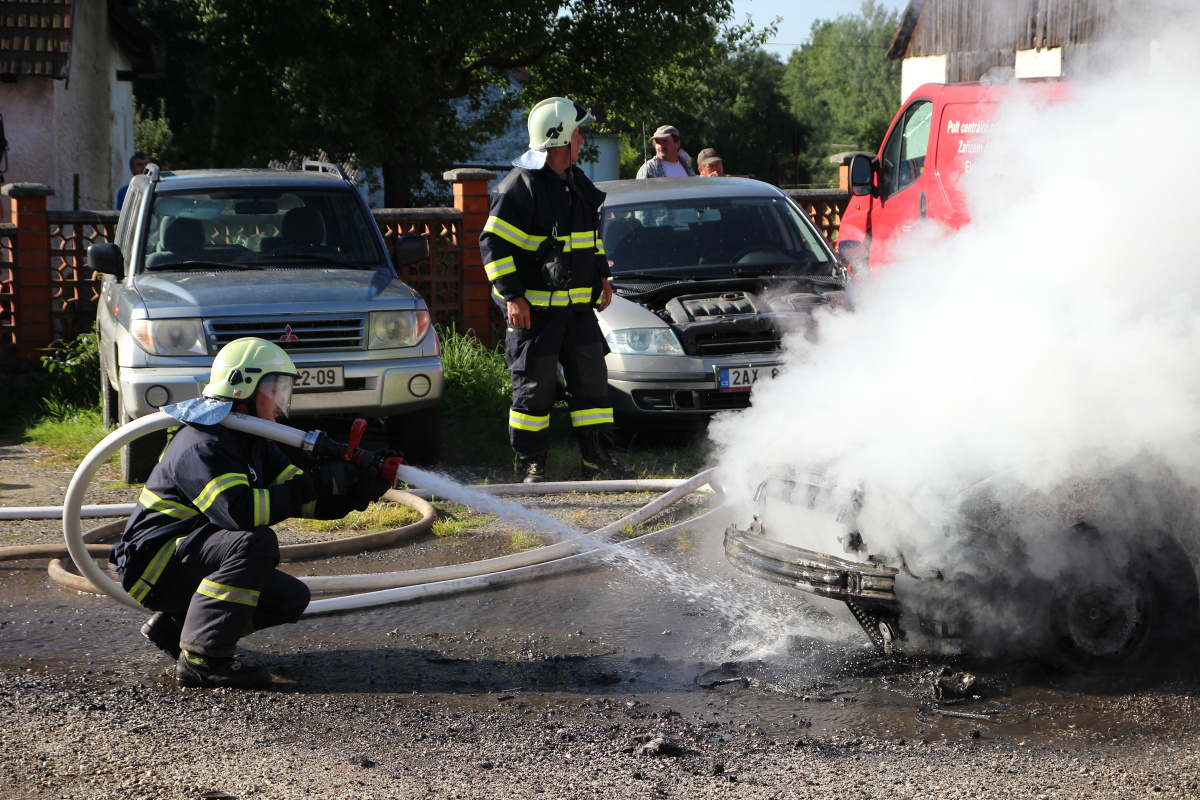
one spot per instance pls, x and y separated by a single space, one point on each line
904 153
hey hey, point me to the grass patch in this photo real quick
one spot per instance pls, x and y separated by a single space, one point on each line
377 517
457 520
522 541
476 380
69 431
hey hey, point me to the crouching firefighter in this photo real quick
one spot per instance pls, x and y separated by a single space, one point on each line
198 550
542 252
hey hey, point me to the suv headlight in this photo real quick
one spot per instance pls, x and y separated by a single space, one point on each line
644 342
170 337
397 328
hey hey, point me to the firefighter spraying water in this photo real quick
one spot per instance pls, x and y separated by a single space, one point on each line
199 550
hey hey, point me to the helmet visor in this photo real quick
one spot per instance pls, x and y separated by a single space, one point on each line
278 389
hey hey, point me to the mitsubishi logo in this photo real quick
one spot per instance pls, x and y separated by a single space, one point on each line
288 336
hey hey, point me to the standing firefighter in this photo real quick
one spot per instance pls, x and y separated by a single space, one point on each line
198 550
542 252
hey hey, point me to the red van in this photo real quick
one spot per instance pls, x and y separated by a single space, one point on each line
937 136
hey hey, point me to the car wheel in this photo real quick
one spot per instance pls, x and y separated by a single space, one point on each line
1099 626
109 402
139 456
417 435
1125 605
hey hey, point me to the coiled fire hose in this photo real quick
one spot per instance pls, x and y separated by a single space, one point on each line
368 590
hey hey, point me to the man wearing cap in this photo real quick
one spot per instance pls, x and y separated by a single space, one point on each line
542 252
709 162
670 161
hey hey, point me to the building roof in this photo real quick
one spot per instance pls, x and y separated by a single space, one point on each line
932 27
35 36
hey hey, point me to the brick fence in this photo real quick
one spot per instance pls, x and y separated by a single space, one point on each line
48 293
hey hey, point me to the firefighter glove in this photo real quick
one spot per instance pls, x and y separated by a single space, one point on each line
370 486
337 478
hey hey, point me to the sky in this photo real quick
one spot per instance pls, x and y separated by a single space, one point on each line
797 17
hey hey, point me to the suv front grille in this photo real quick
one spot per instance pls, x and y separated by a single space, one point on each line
308 334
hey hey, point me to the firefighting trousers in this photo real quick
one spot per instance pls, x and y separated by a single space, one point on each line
572 339
224 585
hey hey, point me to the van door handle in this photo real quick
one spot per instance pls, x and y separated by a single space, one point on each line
921 205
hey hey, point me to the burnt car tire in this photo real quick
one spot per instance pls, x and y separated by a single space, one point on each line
417 435
1138 603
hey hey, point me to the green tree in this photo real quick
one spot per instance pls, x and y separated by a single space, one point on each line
152 133
406 85
727 97
842 87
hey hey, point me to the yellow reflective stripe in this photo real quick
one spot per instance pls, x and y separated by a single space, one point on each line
511 233
262 507
218 485
527 422
154 570
583 239
539 297
152 502
500 268
230 594
289 472
591 416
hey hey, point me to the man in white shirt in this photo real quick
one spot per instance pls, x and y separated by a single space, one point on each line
670 161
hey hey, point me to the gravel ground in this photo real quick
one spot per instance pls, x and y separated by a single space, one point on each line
568 688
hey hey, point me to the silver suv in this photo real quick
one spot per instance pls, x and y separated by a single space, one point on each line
204 257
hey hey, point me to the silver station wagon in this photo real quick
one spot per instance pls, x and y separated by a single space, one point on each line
708 275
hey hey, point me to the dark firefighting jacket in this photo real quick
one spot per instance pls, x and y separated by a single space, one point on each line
215 478
525 208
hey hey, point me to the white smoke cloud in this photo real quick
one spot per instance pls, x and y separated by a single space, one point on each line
1060 330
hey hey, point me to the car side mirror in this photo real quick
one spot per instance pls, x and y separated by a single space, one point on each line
862 175
410 249
106 258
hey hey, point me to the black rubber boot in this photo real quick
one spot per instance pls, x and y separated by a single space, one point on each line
531 469
163 631
215 673
596 461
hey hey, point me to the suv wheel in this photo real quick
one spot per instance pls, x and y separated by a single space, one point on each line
417 435
139 456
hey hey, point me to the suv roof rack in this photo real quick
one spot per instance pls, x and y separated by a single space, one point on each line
310 165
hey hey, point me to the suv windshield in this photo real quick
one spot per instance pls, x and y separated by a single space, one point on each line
269 227
711 238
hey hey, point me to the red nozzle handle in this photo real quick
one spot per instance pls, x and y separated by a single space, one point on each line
356 431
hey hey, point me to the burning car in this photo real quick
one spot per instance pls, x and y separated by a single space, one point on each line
1088 571
708 275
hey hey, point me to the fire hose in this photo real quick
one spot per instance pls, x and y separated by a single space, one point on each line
371 589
